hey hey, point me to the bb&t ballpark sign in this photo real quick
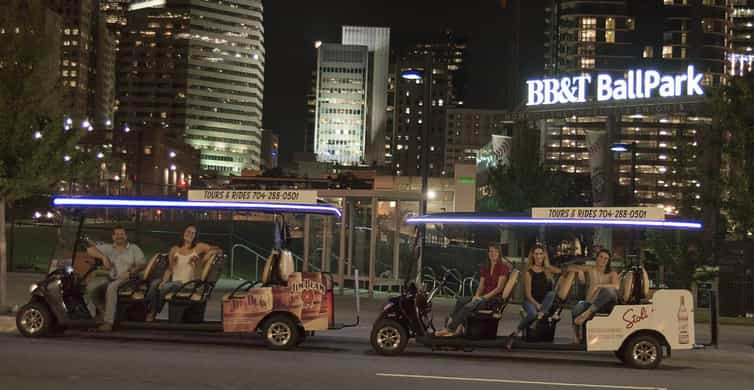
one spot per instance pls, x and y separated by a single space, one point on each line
638 84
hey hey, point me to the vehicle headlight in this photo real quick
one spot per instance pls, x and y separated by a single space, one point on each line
33 287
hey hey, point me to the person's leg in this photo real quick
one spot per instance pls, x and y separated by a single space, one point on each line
460 317
531 315
547 303
170 287
460 303
95 296
111 303
577 310
152 298
605 297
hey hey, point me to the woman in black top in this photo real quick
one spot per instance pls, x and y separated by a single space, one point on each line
538 282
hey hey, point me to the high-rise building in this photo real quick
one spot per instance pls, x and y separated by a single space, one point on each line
377 41
426 81
341 106
613 37
196 67
741 46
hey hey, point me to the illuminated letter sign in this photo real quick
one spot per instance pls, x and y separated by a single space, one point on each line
637 84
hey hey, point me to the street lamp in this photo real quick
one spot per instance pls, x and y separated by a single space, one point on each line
623 148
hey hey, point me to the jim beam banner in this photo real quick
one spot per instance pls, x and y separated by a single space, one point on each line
626 213
304 296
258 196
496 153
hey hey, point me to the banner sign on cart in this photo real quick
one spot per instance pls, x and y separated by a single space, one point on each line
284 196
644 213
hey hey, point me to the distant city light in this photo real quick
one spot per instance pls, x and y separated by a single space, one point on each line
66 158
431 194
317 44
100 155
108 122
619 148
172 167
126 128
172 154
37 135
85 124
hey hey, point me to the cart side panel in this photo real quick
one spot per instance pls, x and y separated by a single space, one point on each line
304 298
671 313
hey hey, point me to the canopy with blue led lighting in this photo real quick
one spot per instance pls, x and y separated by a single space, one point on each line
480 219
62 201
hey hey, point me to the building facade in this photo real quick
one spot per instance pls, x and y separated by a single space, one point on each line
425 84
468 130
196 68
377 40
741 47
340 132
613 38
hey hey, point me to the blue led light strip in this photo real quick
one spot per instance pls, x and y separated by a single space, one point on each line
563 222
187 204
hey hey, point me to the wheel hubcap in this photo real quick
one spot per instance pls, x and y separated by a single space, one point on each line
388 338
279 334
645 352
32 320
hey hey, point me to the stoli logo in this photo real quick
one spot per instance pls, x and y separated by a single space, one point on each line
632 318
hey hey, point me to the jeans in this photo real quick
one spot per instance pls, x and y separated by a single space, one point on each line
604 301
464 307
531 310
109 289
156 295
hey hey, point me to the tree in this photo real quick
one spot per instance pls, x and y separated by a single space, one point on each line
525 182
733 107
38 149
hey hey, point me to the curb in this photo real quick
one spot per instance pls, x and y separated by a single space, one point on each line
7 324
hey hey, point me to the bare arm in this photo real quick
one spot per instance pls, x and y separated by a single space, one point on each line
480 288
171 263
553 269
94 252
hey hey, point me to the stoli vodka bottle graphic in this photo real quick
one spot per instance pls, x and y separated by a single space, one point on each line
683 323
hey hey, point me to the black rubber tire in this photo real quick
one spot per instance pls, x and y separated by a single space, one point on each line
389 337
34 320
620 354
281 333
642 351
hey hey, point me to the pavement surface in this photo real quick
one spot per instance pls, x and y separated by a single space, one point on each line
344 358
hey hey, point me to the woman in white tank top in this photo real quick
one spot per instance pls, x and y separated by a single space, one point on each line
184 265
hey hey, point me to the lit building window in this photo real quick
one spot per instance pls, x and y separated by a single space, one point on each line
587 62
649 52
667 51
610 36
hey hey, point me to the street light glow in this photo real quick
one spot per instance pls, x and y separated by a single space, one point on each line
411 75
172 154
85 124
37 135
66 158
619 148
100 155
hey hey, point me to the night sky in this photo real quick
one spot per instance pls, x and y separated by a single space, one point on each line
292 26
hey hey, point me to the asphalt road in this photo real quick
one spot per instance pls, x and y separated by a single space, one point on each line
337 360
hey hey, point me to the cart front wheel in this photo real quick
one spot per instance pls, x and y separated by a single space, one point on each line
34 320
389 337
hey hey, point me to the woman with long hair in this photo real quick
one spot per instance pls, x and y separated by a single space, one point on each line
538 288
184 260
602 290
492 278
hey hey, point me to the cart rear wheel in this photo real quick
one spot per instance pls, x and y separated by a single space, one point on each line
389 337
642 351
34 320
280 332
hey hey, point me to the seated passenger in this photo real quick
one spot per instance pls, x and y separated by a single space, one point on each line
492 279
183 262
602 290
538 288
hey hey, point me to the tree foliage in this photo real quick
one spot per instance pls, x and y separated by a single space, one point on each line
525 182
34 141
733 106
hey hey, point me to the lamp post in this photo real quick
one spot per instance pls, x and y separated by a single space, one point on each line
623 148
415 75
